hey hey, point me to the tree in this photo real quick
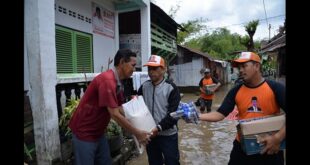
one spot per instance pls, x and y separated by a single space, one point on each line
250 28
221 43
173 10
192 27
194 43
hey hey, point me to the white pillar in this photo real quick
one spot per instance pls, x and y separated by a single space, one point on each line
116 34
145 34
40 46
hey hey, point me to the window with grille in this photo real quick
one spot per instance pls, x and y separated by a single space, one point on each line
73 51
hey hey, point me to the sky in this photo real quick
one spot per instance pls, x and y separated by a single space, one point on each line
232 14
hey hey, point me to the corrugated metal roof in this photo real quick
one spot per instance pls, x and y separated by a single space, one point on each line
223 63
164 17
273 48
277 43
198 52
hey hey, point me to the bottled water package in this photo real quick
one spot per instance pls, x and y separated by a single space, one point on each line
186 111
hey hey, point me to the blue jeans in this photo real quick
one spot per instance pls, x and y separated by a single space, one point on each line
91 153
163 149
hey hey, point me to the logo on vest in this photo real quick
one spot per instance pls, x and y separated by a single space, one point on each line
254 107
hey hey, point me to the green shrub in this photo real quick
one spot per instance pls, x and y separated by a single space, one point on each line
66 116
113 129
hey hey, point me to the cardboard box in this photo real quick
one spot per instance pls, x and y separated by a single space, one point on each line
262 125
250 144
209 87
253 129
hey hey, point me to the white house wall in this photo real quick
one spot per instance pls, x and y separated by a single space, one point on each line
41 53
26 68
145 34
103 46
228 71
187 74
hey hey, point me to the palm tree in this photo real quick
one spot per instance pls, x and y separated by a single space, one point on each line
250 28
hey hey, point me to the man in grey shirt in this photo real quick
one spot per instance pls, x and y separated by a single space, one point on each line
161 97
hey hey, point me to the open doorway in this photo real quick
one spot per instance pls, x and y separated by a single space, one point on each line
130 33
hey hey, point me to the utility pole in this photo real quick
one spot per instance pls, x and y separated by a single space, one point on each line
269 30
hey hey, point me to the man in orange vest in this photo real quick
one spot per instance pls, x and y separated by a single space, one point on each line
254 98
207 95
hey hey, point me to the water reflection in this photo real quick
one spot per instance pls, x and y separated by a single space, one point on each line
207 143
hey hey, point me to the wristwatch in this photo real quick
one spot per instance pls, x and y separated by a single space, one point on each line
158 128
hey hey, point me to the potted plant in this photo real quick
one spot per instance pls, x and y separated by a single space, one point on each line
114 131
115 137
65 131
66 116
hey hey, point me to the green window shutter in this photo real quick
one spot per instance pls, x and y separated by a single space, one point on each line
84 61
64 47
73 51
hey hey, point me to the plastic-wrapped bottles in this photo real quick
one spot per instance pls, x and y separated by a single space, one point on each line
177 114
186 111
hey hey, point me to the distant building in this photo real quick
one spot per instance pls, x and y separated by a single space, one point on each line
187 67
276 49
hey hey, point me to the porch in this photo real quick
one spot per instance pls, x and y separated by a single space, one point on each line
69 87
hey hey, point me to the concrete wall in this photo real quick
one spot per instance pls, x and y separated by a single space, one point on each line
145 33
103 46
26 67
41 53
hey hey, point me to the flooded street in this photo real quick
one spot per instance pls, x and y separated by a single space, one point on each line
205 143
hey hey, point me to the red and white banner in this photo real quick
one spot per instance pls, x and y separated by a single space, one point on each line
103 20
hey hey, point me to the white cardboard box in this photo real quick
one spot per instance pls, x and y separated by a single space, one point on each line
267 124
251 129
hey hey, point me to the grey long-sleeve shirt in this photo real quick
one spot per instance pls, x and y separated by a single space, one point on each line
161 100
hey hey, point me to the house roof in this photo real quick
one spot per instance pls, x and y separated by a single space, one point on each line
223 63
159 17
274 44
198 52
237 52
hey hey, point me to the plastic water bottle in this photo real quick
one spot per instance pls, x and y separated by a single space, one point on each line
187 111
191 115
179 112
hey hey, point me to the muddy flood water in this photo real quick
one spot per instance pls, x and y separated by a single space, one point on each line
205 143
